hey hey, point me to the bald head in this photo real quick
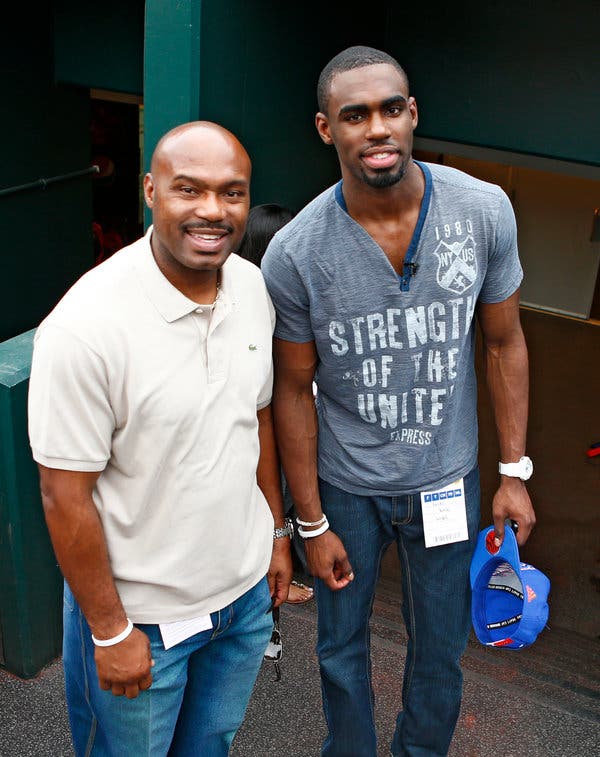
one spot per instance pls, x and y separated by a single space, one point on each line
194 134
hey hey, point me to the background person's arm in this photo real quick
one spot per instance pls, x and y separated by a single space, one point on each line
296 430
507 372
80 547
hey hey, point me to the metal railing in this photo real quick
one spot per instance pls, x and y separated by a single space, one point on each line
43 183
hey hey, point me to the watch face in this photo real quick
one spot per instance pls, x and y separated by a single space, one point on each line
527 468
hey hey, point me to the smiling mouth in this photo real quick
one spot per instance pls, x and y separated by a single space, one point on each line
379 159
206 240
208 236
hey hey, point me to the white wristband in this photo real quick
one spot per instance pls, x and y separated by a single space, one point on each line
115 639
319 522
317 532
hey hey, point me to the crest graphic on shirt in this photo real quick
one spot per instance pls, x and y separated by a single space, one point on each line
457 265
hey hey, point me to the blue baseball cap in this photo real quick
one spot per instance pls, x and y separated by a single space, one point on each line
509 605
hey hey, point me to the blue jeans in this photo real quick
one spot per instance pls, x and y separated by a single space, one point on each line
436 610
199 693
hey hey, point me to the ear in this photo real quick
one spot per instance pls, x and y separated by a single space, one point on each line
412 107
322 125
149 190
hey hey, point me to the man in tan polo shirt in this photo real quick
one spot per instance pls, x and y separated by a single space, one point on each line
150 421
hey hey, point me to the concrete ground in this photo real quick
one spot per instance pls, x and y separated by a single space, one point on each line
543 701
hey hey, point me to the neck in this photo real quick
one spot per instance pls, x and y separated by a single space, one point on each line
206 292
203 290
199 286
363 200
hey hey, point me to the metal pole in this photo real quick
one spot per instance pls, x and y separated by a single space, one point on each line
43 183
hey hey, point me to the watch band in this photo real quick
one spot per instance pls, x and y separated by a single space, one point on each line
523 469
287 530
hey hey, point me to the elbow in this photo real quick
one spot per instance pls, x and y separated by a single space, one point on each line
509 345
292 395
50 502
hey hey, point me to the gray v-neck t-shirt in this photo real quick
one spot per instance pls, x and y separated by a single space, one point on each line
397 391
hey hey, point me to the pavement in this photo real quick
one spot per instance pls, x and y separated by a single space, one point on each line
543 701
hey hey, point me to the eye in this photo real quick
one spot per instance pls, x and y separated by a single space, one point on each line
394 110
187 190
353 118
236 194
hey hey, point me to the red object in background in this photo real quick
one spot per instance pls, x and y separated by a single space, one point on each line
594 450
106 242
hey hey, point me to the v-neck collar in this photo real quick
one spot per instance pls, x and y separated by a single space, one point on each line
409 267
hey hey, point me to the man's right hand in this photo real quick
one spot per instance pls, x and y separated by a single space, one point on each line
126 667
327 560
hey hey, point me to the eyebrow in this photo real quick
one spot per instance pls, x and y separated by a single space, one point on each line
194 180
362 107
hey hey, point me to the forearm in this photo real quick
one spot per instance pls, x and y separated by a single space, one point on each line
508 383
268 473
296 428
80 547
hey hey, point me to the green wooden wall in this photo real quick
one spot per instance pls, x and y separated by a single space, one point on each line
501 75
262 85
45 235
100 45
254 71
518 76
30 581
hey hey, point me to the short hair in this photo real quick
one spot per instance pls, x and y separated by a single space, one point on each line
263 222
358 56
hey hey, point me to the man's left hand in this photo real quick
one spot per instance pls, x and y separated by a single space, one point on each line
280 571
512 501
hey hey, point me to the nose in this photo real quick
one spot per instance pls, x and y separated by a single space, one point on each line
378 127
210 207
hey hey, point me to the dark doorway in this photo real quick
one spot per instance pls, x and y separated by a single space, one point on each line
115 132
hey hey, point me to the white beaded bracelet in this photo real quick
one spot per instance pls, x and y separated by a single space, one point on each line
319 522
317 532
115 639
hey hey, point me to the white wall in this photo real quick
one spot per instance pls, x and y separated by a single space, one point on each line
554 204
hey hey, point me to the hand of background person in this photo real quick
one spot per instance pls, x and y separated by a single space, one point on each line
327 560
512 501
280 571
125 668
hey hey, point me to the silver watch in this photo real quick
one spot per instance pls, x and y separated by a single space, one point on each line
523 469
287 530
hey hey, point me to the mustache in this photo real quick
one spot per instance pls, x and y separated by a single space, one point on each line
380 143
212 225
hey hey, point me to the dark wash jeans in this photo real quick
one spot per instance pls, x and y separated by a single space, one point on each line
436 609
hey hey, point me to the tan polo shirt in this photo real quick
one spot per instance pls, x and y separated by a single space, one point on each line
131 378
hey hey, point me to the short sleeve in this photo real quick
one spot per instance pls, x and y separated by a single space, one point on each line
288 293
264 397
504 273
71 421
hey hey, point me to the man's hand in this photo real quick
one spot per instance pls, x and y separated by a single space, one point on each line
512 501
327 560
125 668
280 571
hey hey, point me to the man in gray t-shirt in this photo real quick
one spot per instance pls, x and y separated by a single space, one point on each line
376 284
